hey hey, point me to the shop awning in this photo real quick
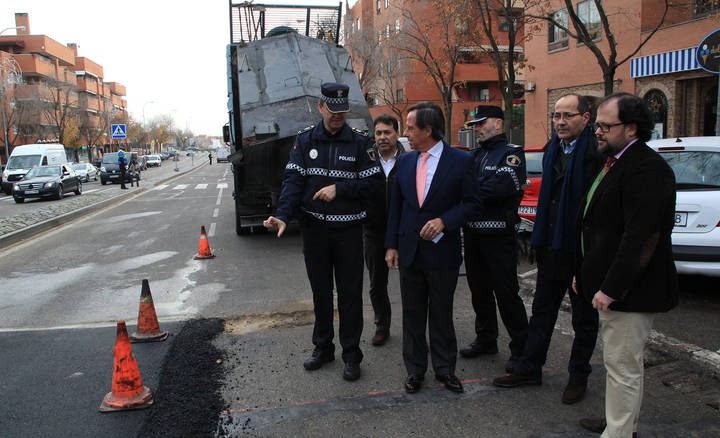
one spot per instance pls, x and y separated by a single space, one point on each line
663 63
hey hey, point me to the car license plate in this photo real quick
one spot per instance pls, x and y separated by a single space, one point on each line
113 176
526 210
31 192
680 219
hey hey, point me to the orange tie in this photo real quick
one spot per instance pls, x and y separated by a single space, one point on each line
421 177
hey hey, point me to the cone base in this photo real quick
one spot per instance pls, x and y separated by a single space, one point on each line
148 337
112 404
201 257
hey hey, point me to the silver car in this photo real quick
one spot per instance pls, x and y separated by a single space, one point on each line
85 171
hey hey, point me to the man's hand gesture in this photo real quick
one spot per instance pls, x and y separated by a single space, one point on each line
273 223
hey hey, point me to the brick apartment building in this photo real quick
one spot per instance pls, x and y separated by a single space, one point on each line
54 71
407 82
681 95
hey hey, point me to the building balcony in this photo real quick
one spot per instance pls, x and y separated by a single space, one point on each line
116 88
89 86
36 65
86 66
43 45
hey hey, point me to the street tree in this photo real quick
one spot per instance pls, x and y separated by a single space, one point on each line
595 25
388 87
60 108
429 41
364 51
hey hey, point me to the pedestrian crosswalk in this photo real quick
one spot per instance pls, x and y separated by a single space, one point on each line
201 186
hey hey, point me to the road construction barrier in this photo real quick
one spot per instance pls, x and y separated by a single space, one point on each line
148 328
204 246
128 391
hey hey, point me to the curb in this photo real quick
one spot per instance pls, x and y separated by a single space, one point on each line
17 236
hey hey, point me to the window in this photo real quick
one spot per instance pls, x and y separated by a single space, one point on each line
378 6
357 21
397 25
387 31
387 4
379 37
399 95
478 92
504 26
589 16
703 7
557 37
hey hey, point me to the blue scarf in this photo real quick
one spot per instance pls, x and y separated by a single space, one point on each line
571 195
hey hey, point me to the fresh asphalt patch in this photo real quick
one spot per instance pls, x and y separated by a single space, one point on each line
188 400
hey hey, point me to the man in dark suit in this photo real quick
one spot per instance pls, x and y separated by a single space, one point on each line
433 196
625 265
570 163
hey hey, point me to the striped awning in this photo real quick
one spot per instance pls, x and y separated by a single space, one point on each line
663 63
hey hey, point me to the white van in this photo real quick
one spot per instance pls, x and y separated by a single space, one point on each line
25 157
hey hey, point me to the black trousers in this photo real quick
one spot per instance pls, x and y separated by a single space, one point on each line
491 265
427 299
337 251
122 177
549 293
378 271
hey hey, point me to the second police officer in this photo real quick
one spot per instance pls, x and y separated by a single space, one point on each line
490 248
332 169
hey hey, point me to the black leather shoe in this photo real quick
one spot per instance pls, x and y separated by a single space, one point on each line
413 383
510 364
517 379
318 359
380 337
450 381
574 391
596 425
478 348
351 371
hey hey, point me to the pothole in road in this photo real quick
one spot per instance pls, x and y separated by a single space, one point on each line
245 324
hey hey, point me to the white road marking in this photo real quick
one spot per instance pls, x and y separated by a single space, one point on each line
201 186
180 187
9 198
160 187
211 231
222 185
219 197
90 191
216 212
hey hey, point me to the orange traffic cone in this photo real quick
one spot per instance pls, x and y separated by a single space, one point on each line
128 391
148 328
204 246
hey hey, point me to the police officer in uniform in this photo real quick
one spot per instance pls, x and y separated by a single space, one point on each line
332 170
490 248
122 162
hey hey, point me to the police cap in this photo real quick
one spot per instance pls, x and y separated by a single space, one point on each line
482 112
335 96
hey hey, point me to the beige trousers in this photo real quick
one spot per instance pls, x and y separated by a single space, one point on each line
623 336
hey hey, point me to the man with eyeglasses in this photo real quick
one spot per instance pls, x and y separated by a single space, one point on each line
570 163
625 265
490 249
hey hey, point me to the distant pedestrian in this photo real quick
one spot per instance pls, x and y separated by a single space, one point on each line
122 163
134 172
210 158
625 264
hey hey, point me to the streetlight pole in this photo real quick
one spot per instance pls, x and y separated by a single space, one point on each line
2 104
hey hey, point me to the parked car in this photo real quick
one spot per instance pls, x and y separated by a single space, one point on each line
85 171
696 235
529 202
142 162
154 160
164 155
25 157
47 182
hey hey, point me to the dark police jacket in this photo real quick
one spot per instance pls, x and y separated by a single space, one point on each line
500 169
319 159
379 205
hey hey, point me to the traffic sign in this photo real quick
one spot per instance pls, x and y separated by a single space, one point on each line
119 131
708 52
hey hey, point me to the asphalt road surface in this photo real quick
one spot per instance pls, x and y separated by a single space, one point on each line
240 327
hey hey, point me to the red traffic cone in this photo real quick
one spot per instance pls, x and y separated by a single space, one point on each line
148 328
204 246
128 391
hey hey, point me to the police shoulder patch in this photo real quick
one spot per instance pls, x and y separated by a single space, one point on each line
306 129
513 160
372 154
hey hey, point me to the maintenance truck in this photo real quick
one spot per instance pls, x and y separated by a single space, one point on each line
276 60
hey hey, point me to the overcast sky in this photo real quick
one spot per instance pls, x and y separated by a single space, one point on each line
170 55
